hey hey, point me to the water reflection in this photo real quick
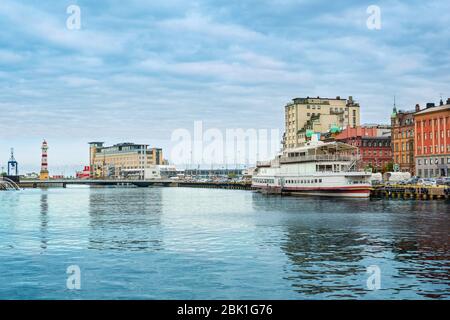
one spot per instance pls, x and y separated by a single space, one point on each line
426 247
322 259
329 244
44 220
125 219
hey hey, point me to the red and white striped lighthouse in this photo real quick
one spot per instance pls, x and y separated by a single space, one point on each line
44 164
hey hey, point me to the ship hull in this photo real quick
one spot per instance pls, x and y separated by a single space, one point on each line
339 192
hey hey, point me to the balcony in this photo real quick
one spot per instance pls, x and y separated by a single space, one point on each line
336 112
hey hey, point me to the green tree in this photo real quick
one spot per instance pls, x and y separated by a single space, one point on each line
389 167
232 175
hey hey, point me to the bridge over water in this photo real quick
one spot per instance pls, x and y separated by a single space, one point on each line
138 183
91 182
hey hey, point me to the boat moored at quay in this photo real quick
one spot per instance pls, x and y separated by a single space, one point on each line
316 169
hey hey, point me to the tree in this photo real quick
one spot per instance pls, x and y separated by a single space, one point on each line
232 175
389 167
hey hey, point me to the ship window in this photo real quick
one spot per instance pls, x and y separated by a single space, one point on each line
315 181
320 180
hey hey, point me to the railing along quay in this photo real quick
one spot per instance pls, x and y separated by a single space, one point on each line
411 192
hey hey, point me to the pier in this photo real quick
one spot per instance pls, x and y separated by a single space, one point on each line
411 192
217 185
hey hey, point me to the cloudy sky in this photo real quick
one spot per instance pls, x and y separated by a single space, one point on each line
138 70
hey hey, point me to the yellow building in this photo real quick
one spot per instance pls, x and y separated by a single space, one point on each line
318 115
122 160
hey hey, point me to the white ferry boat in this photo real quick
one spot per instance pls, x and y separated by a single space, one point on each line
316 169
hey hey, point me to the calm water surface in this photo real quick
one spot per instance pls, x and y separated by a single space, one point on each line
181 243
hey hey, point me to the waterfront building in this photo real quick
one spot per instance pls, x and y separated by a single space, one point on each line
122 160
402 136
373 142
44 162
318 115
432 148
208 173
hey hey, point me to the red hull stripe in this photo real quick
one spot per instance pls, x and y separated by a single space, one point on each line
349 188
332 191
346 189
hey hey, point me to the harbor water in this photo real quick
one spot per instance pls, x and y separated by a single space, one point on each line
183 243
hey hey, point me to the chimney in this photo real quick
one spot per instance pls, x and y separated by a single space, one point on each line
338 98
441 103
448 101
417 107
430 105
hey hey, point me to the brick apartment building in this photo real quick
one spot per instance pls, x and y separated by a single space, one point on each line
402 139
374 143
432 140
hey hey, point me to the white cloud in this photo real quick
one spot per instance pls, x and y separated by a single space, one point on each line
10 57
46 27
198 23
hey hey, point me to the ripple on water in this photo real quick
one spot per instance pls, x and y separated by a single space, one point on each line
181 243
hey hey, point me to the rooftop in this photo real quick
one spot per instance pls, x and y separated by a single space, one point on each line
126 144
434 109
